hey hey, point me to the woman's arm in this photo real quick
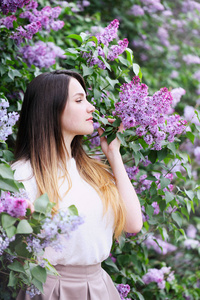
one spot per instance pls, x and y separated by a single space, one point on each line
126 190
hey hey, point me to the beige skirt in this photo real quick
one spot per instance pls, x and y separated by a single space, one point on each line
77 283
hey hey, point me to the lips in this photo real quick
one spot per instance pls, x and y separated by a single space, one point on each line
90 119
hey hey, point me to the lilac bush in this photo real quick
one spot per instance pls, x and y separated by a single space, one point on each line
148 114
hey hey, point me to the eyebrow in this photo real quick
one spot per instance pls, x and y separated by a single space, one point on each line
79 94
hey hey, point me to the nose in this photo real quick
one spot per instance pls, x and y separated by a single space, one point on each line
90 108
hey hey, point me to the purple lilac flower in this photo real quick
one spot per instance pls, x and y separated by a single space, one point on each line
155 243
191 244
158 276
132 172
197 154
109 33
46 17
27 32
189 5
8 21
156 208
136 109
123 290
191 59
15 207
52 228
163 36
136 10
174 74
151 6
11 5
177 93
116 50
42 55
95 141
197 75
32 291
4 240
190 116
191 231
7 120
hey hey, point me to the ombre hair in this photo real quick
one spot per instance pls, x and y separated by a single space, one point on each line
40 141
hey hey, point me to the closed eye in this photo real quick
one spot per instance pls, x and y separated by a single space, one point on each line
79 100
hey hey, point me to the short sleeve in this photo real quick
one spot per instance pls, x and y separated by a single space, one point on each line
23 173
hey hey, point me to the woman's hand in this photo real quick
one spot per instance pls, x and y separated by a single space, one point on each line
114 146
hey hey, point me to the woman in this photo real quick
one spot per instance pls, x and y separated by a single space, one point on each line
49 158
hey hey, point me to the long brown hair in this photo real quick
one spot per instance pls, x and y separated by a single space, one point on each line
40 140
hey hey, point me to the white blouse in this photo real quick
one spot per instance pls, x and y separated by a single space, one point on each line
91 242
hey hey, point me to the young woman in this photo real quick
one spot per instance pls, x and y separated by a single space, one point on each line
49 158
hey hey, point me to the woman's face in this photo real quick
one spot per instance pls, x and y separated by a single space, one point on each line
77 118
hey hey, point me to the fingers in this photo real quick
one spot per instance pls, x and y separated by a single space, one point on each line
30 206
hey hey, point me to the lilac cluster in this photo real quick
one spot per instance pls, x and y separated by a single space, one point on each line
159 276
15 207
4 240
46 17
152 6
95 141
132 172
123 290
106 36
12 5
41 55
159 246
189 5
51 230
177 93
190 116
7 120
26 32
81 6
8 21
191 59
136 10
148 113
32 291
163 36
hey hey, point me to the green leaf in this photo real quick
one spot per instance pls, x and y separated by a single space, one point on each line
172 147
111 264
75 37
112 82
164 182
121 138
7 220
190 194
136 69
84 36
187 167
12 279
129 53
124 259
179 175
11 185
190 136
10 231
111 137
121 241
152 156
168 196
41 204
73 210
86 70
161 154
12 73
176 216
16 266
38 284
149 210
21 250
24 227
185 212
39 273
6 171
